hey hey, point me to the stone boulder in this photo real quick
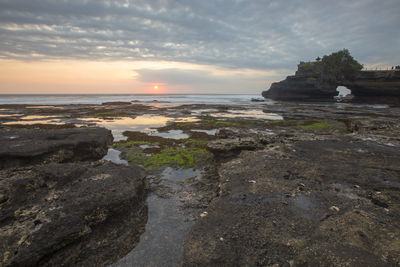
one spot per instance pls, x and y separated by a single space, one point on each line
70 214
19 147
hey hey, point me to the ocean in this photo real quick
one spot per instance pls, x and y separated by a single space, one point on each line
140 98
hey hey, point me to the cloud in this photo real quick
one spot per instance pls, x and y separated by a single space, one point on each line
233 34
208 81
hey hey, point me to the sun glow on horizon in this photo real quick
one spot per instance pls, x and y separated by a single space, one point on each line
158 89
124 77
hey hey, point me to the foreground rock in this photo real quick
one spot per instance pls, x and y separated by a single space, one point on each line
311 203
70 214
232 141
19 147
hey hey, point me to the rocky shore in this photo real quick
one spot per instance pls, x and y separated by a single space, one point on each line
367 87
317 81
269 185
60 205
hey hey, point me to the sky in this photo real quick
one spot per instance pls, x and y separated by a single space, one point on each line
183 46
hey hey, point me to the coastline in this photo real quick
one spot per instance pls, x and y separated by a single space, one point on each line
319 186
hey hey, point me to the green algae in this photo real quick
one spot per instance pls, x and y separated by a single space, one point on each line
209 123
311 125
177 157
190 142
180 153
172 156
122 144
318 126
136 156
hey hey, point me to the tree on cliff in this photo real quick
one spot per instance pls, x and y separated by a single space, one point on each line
340 66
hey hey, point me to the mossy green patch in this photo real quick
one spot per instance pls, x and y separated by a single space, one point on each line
318 126
173 156
136 156
209 123
329 125
122 144
149 139
189 142
177 157
310 125
182 153
197 139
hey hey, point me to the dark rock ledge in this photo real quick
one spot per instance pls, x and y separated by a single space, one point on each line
67 214
19 147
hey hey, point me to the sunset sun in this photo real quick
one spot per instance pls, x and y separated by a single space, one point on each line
156 87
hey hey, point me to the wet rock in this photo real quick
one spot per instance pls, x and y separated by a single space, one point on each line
261 227
70 214
231 147
225 133
19 147
232 140
117 103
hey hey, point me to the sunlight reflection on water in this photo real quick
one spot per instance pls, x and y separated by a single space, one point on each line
10 115
143 123
252 113
35 119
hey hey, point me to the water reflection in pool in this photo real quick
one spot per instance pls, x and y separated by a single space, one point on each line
162 242
36 119
251 114
143 123
173 134
113 155
10 115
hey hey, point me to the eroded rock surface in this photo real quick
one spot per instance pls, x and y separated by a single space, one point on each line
314 203
71 214
231 141
20 147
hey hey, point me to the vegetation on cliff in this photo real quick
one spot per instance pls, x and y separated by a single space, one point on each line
337 66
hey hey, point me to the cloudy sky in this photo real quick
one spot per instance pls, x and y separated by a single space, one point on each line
220 46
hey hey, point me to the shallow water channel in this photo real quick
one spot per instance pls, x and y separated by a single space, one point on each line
162 242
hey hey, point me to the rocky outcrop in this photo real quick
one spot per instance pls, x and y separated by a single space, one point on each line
312 203
231 141
58 207
306 85
366 86
19 147
375 86
70 214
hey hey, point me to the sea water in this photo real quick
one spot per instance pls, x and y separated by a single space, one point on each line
139 98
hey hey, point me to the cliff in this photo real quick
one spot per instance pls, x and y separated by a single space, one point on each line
375 86
317 81
307 84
